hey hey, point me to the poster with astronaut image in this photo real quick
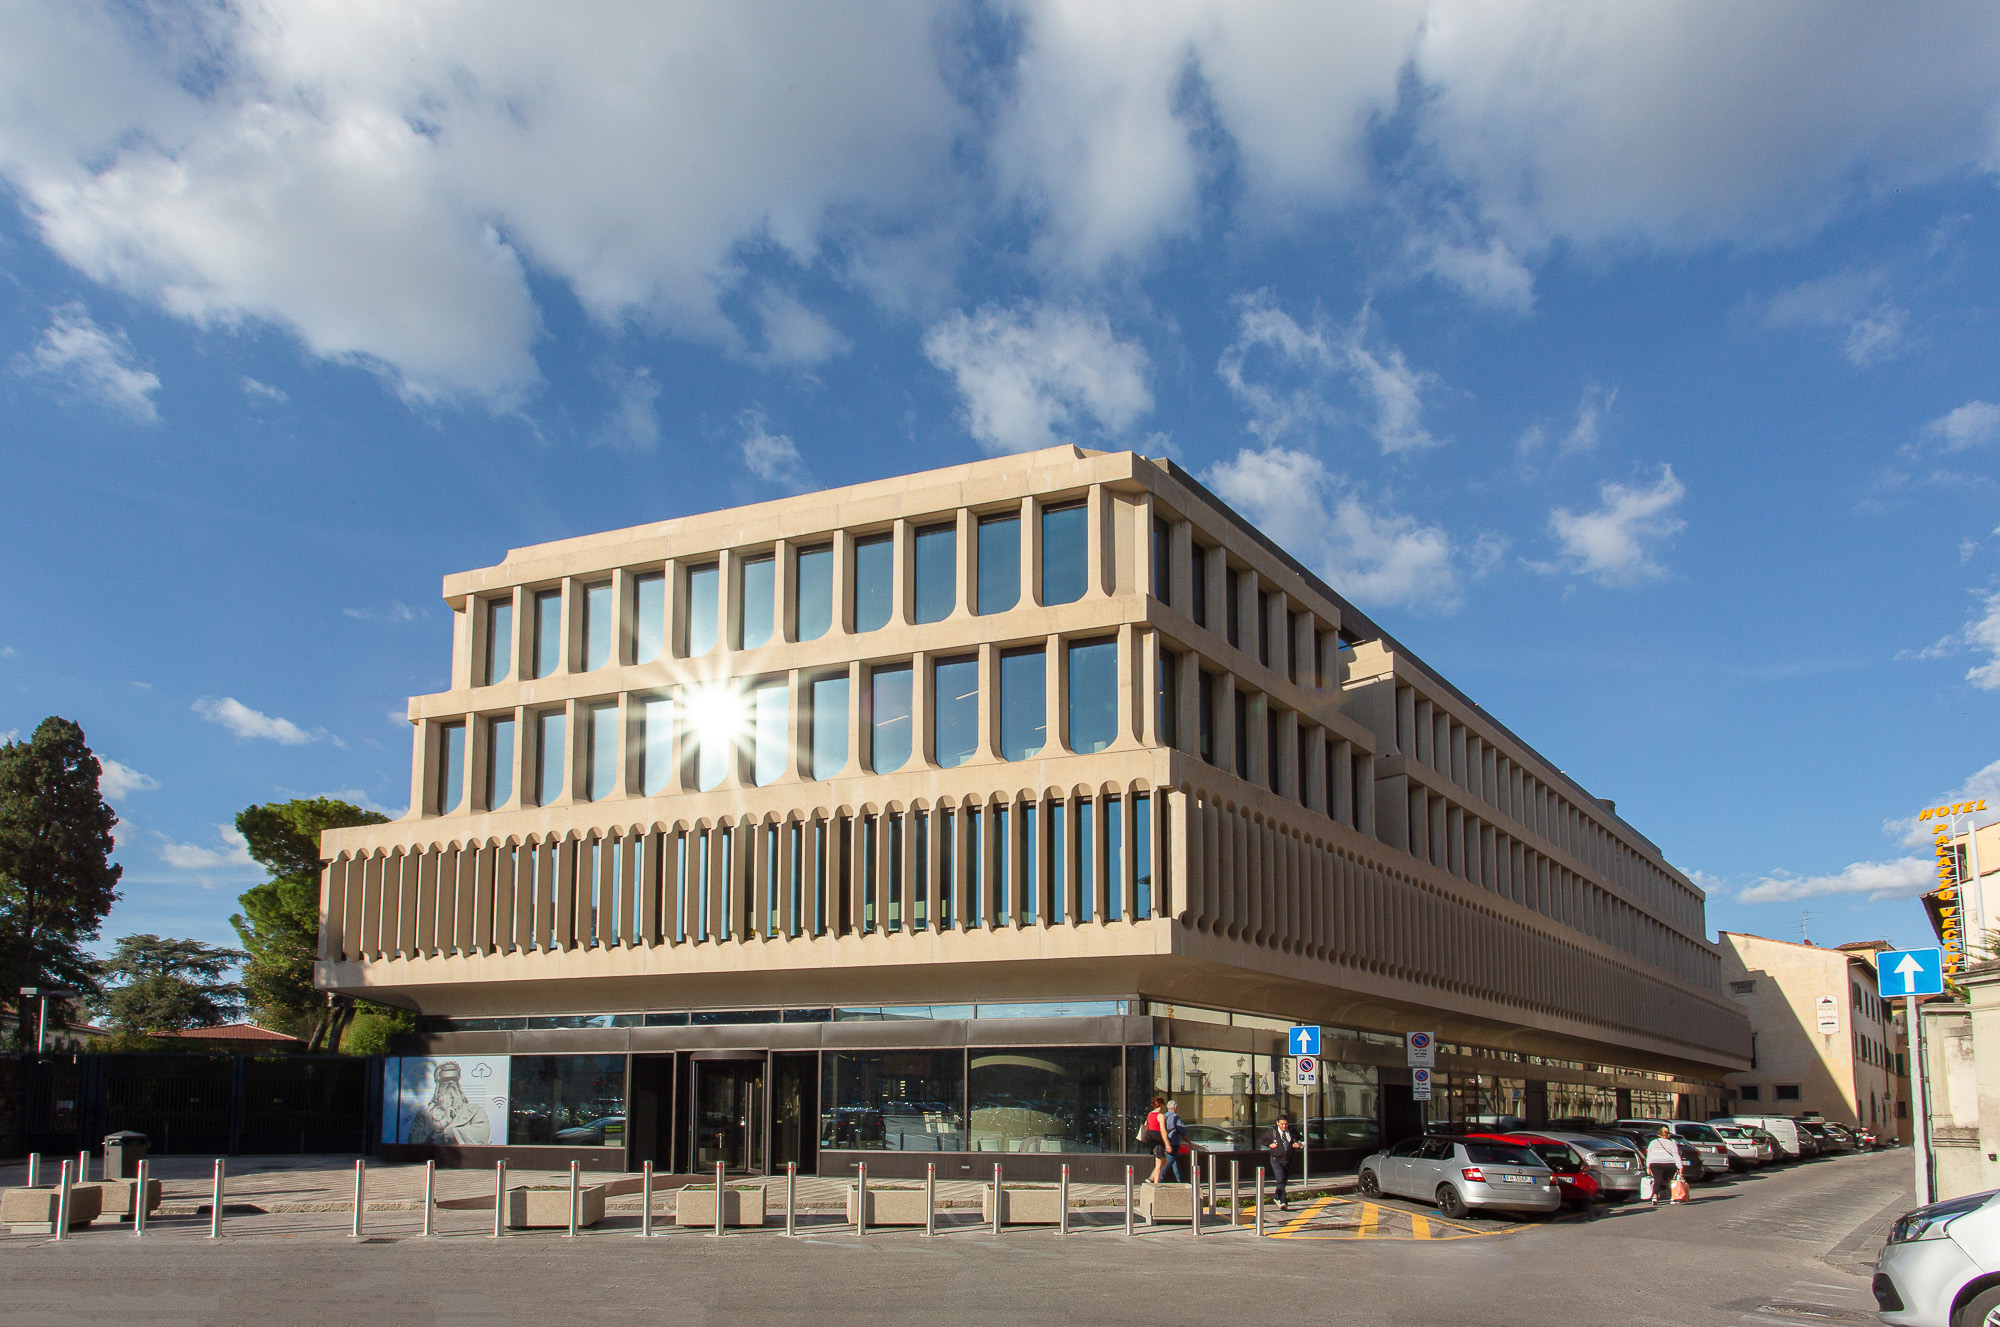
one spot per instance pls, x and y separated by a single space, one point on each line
445 1100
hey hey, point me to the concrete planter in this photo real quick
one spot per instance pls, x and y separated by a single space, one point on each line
890 1204
1166 1202
33 1211
1023 1204
115 1197
547 1208
742 1205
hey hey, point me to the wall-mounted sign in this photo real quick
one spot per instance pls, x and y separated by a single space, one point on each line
445 1100
1829 1015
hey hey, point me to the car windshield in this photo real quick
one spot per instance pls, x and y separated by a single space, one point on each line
1701 1133
1730 1131
1602 1145
1501 1154
1557 1156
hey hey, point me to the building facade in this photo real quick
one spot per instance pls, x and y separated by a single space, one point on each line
1825 1042
947 818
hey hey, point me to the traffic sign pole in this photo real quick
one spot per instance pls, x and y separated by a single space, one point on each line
1921 1105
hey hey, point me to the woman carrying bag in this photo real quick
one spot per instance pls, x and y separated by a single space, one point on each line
1663 1164
1153 1136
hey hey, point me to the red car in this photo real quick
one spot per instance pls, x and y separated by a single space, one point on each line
1579 1187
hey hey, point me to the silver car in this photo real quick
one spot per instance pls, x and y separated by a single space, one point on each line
1746 1149
1617 1167
1462 1176
1937 1270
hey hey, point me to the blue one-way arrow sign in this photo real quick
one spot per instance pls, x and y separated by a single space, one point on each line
1305 1039
1910 972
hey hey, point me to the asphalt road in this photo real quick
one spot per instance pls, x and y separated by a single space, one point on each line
1782 1247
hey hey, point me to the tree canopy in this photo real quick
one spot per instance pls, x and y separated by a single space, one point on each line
153 985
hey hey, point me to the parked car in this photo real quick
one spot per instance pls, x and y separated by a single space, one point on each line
1617 1166
1338 1141
1937 1268
1462 1175
594 1133
1747 1151
1829 1144
1701 1137
1782 1128
1849 1139
1576 1178
1691 1161
1215 1138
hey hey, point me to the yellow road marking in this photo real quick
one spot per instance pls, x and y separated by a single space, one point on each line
1371 1218
1298 1222
1420 1226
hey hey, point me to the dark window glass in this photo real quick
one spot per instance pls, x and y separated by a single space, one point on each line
1170 699
1271 751
1023 704
704 585
1093 695
759 587
1086 860
566 1100
1114 859
1292 646
893 1101
1162 562
829 725
955 711
1242 734
548 632
1198 586
666 1020
499 640
874 582
1264 628
1058 862
732 1017
1205 713
999 564
815 592
1045 1099
1065 553
1142 856
937 573
889 718
1233 605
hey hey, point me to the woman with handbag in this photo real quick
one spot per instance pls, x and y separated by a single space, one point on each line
1663 1163
1153 1137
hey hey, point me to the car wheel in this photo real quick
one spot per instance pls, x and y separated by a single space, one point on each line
1982 1310
1370 1186
1450 1204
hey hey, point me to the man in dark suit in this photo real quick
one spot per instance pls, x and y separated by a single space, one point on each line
1279 1142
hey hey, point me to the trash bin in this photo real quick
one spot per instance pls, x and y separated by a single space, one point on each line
123 1151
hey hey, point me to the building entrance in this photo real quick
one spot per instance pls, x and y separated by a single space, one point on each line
728 1116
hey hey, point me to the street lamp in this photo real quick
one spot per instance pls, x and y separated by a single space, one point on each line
45 994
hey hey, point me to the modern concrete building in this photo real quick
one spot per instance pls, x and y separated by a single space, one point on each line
946 818
1824 1039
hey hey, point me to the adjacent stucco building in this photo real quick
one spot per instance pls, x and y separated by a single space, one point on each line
956 814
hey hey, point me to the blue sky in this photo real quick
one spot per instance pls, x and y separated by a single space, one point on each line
1634 364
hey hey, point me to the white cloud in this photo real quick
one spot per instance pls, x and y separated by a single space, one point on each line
240 719
1982 633
634 423
91 362
1591 409
1616 544
234 853
397 611
1034 376
1372 555
1905 877
116 779
794 335
1971 424
1855 303
772 457
264 391
1488 273
1383 377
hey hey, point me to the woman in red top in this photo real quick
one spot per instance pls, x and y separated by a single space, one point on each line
1154 1131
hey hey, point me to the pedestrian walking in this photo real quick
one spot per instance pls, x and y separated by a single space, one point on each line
1279 1142
1176 1135
1153 1137
1663 1163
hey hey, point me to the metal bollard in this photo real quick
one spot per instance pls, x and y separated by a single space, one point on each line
791 1197
34 1169
139 1200
62 1203
499 1198
645 1199
215 1209
997 1194
930 1198
575 1197
1062 1202
430 1194
359 1168
1194 1225
83 1166
718 1200
1211 1180
1260 1202
1235 1202
1128 1199
861 1201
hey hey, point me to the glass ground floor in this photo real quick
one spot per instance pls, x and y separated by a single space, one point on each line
1031 1086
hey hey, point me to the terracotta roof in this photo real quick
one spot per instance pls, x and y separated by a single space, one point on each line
232 1032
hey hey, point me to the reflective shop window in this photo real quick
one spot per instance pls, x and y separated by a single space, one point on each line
829 725
1037 1099
874 581
499 762
1024 724
1169 697
649 616
551 734
597 624
1198 587
704 586
936 573
999 564
1065 553
566 1100
955 711
771 705
814 592
889 718
892 1101
451 767
548 632
499 640
601 774
1216 1090
758 585
656 744
1093 695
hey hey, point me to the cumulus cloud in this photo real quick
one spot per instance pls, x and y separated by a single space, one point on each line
234 852
1982 633
98 365
634 422
1300 357
1035 376
1970 425
116 779
1487 272
1581 437
773 457
1617 543
243 721
1372 554
1855 304
264 391
794 335
1905 877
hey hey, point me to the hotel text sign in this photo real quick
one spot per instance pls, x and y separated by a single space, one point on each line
1950 913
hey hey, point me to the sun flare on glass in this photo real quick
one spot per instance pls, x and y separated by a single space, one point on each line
718 716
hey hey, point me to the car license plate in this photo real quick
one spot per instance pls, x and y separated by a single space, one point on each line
1516 1179
1614 1165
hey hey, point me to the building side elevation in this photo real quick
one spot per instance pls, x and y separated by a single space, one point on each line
1049 728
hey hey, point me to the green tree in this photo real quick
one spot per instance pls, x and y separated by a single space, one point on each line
152 985
279 923
56 877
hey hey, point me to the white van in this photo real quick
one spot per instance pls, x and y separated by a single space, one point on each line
1781 1127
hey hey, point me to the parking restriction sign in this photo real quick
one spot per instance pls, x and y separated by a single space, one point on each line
1307 1068
1420 1084
1422 1048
